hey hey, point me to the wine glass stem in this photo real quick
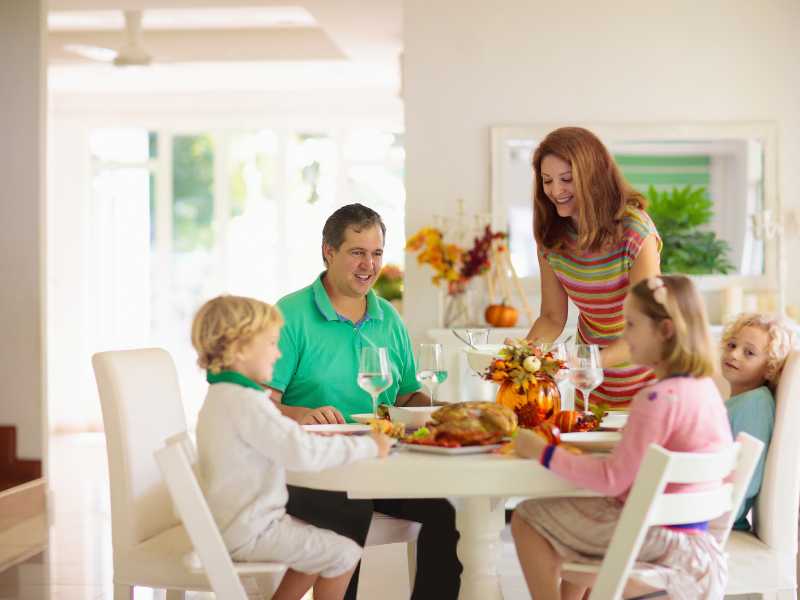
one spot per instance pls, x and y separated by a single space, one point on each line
432 392
374 405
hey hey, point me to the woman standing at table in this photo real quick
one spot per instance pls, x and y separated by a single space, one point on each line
595 241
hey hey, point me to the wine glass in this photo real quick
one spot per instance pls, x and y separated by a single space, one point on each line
585 371
430 368
374 374
477 337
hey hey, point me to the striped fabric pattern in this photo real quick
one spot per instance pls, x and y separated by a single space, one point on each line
597 283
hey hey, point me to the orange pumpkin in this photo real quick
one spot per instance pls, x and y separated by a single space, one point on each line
539 403
572 420
501 315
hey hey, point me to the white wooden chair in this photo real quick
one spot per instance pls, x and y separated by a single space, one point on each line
141 402
648 505
175 462
763 561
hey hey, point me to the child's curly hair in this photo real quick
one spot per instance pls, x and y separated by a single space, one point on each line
225 324
782 340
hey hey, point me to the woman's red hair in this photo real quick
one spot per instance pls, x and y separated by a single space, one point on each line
601 192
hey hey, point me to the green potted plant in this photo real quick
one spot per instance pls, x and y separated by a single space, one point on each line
680 215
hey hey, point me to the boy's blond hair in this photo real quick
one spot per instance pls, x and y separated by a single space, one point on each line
690 350
225 324
782 340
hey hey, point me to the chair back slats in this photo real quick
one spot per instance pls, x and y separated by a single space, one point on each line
679 509
648 504
699 467
198 521
141 404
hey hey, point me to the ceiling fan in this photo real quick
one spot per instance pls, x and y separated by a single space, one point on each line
131 53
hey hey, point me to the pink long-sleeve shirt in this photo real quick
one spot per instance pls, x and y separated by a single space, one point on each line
682 414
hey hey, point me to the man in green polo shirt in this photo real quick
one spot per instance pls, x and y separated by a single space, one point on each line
314 381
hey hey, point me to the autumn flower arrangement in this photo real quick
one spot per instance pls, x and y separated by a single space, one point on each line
522 363
451 263
526 374
527 377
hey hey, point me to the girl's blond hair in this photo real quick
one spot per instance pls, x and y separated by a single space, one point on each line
690 350
782 340
226 324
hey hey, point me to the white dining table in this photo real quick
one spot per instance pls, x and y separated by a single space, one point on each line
477 485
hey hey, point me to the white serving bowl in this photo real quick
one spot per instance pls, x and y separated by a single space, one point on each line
480 359
411 416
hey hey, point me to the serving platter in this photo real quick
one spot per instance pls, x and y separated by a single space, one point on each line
428 449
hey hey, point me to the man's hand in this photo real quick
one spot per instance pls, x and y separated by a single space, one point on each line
384 443
322 416
528 444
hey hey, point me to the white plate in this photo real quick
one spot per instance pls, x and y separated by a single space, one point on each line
592 440
352 428
451 451
615 420
363 418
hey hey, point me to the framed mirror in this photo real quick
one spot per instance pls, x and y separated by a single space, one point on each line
730 165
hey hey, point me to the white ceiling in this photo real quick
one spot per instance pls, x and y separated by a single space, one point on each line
231 44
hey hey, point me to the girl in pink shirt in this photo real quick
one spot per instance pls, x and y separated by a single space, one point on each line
667 330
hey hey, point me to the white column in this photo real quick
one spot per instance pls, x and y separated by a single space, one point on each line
23 95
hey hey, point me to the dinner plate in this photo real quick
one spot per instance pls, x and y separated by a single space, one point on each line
592 440
451 451
350 428
363 418
614 420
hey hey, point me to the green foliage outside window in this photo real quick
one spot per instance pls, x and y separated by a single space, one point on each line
680 215
193 194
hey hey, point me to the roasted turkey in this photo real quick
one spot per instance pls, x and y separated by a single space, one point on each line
471 423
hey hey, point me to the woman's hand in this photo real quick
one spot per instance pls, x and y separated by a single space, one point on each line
383 442
527 444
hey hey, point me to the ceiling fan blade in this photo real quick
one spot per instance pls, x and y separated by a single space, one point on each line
96 53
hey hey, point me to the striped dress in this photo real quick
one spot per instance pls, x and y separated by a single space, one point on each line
597 283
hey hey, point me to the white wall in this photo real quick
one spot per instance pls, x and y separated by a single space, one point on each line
22 167
473 65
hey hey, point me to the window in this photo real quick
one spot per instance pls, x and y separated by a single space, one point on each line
179 217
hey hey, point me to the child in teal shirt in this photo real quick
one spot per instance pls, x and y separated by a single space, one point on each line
754 349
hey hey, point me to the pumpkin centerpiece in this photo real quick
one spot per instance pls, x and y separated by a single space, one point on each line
527 385
501 315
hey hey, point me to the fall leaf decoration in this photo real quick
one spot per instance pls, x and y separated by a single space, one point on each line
522 363
450 262
527 386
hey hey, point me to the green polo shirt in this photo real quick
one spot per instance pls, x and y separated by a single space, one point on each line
320 351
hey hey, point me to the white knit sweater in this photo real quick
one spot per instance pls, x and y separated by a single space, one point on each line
245 445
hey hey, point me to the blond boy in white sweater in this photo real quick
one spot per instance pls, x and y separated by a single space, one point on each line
245 447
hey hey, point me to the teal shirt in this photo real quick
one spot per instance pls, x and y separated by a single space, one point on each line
752 412
320 352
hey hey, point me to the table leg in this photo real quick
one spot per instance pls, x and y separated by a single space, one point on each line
479 522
